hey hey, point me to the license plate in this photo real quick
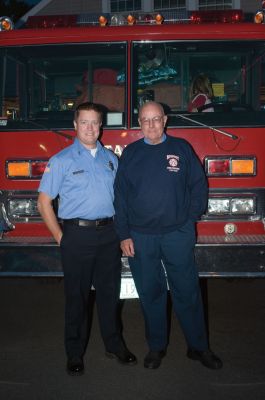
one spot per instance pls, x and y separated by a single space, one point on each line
128 289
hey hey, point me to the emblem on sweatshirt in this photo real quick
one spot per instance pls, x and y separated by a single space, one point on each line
173 163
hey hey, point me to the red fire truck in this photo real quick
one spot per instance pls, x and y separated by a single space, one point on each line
55 63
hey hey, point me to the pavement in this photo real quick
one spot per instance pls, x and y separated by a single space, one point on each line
32 360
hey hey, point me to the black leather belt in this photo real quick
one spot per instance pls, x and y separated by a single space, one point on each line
89 222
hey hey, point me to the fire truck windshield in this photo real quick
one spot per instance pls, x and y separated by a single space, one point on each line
235 70
46 82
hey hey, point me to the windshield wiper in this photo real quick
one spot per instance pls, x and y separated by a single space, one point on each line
231 135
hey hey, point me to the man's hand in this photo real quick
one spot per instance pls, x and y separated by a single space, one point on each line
127 247
46 210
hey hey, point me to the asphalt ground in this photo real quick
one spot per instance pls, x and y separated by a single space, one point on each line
32 359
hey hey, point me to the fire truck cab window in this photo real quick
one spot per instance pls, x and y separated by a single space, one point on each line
164 72
48 82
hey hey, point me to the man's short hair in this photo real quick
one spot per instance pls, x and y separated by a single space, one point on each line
87 106
152 103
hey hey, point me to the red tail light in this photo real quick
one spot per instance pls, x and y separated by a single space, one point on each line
218 167
37 168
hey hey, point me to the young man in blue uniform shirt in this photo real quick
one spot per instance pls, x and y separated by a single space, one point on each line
160 192
83 177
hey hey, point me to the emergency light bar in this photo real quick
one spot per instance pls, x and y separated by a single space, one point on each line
168 17
57 21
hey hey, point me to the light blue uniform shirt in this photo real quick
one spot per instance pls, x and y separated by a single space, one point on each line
84 183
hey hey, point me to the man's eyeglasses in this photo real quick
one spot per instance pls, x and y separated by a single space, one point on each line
155 120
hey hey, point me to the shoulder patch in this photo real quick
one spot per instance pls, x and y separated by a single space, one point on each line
47 169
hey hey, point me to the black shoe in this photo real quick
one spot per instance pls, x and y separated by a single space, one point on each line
207 358
153 359
123 356
75 366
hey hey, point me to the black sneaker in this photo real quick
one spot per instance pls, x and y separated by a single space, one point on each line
207 358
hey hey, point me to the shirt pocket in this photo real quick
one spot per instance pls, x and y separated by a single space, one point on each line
78 180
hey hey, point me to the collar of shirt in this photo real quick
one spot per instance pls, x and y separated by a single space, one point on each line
162 139
79 148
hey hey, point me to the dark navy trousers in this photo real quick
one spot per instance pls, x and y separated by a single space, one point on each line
91 256
171 254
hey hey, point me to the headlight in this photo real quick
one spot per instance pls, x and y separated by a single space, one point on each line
242 206
22 208
218 206
231 205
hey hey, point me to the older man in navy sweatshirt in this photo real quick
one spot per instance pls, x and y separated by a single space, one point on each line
160 192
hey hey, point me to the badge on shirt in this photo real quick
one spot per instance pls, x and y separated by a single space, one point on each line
111 166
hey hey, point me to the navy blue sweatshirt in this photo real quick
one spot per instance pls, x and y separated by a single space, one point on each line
158 187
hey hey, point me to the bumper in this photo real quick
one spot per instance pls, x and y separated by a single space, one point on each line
215 257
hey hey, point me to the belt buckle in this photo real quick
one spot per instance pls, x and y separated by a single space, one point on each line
99 223
82 223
